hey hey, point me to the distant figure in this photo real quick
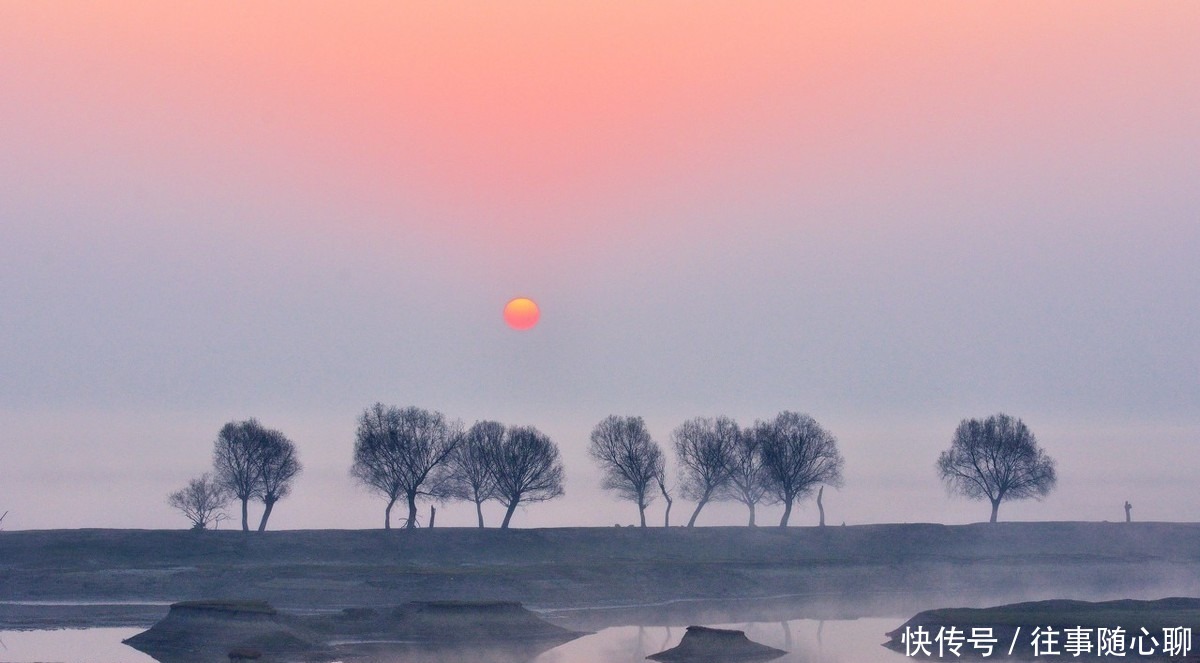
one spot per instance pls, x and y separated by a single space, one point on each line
1128 508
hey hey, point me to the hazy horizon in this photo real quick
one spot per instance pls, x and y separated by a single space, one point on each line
891 218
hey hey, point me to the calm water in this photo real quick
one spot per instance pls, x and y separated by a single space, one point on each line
808 641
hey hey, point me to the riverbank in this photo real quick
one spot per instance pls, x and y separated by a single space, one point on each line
592 577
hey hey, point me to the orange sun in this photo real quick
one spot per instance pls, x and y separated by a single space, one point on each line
521 313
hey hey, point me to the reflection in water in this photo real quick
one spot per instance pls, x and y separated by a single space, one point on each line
86 645
806 640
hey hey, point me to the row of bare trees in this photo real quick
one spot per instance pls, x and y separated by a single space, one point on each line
783 460
406 453
410 453
250 462
780 460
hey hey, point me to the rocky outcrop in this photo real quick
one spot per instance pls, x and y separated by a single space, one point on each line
212 630
702 644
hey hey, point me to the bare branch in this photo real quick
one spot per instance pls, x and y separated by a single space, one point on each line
527 468
628 457
201 501
471 477
997 458
798 455
704 448
254 462
404 452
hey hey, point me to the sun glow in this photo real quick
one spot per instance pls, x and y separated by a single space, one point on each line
521 313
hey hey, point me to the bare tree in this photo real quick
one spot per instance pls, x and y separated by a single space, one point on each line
629 458
471 475
527 468
660 478
798 455
748 479
404 452
201 501
237 462
997 458
278 467
704 448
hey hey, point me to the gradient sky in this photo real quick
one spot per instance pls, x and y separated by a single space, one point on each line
890 216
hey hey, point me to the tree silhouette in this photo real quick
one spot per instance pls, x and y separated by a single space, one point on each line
748 479
404 452
660 478
237 461
629 459
527 468
471 476
704 448
278 467
201 501
798 455
996 459
254 462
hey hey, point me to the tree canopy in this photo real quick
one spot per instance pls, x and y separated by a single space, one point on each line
748 479
278 467
704 449
798 455
254 462
997 459
527 468
471 477
629 459
201 501
404 452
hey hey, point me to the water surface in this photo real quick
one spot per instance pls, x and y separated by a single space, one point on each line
806 640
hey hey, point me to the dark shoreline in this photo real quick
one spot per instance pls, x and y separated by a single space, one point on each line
589 578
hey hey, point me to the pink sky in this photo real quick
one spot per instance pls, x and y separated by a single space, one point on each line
516 122
884 214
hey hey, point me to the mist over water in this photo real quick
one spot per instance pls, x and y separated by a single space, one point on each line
808 641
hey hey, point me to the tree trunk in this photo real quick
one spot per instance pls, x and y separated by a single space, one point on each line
479 512
387 514
820 506
245 514
995 510
667 516
412 512
508 514
642 513
696 513
787 512
432 515
268 504
750 505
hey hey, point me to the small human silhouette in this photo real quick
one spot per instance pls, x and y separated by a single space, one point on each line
1128 508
